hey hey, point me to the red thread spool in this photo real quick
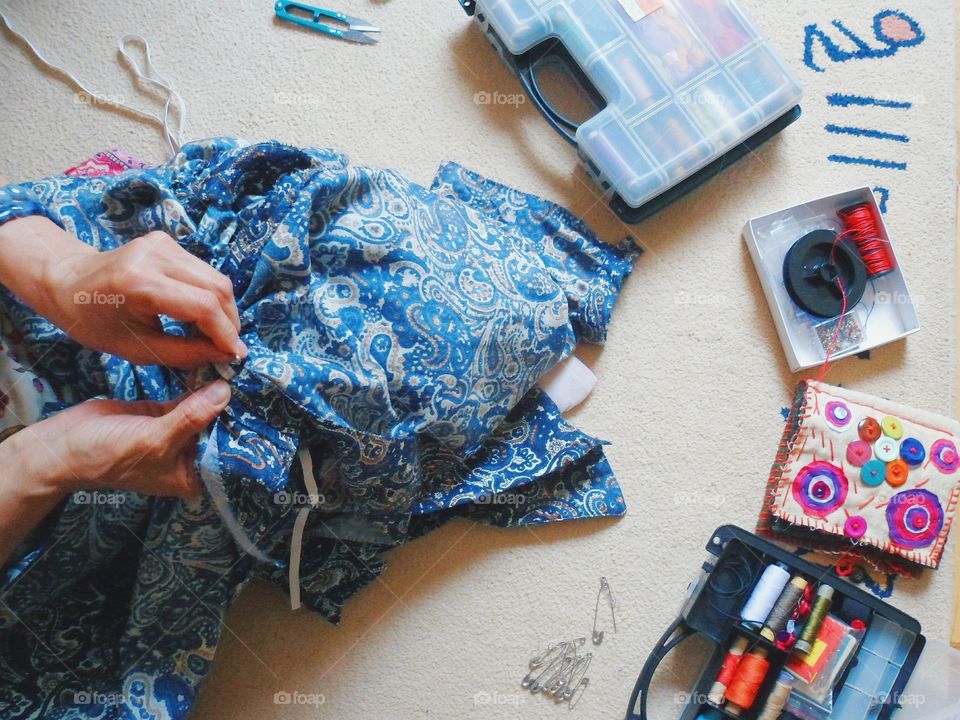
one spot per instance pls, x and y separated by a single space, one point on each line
745 687
862 225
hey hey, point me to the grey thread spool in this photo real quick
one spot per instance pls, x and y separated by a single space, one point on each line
821 607
777 699
789 599
765 595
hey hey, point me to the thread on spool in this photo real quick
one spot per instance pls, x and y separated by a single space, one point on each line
745 686
728 670
765 595
821 607
783 610
777 700
861 224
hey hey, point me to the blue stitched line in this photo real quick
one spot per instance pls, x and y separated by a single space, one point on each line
842 100
880 592
865 132
870 162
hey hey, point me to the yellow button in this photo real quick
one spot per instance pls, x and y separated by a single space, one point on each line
892 427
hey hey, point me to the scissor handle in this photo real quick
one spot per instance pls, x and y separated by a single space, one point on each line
282 10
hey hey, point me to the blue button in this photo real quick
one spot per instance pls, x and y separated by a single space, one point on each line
873 473
912 451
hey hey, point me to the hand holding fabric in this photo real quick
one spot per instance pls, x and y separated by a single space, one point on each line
110 301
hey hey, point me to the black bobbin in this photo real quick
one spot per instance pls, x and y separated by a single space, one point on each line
816 267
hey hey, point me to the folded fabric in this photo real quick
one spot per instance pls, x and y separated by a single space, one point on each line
865 477
396 335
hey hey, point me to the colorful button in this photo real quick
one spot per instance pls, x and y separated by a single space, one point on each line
892 427
944 455
838 415
873 473
869 430
911 450
886 449
859 452
855 527
897 472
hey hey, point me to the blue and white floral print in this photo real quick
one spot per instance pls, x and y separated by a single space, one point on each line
396 337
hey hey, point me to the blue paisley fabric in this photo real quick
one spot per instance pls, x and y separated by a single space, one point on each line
397 334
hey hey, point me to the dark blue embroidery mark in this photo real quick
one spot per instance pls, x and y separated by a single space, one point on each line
842 100
869 162
891 28
883 196
865 132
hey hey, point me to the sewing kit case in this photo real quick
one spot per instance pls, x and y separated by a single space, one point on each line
890 673
683 88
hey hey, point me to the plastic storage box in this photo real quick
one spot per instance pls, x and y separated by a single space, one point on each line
687 87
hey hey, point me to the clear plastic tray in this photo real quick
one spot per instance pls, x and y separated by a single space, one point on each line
684 83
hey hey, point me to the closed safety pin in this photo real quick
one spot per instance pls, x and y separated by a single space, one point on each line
598 636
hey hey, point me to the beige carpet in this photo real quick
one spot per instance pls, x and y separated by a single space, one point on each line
692 379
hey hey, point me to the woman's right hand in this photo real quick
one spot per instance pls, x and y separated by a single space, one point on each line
110 301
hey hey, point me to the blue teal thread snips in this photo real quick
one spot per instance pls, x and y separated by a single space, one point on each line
310 17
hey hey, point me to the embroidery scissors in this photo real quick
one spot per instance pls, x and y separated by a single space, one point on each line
309 17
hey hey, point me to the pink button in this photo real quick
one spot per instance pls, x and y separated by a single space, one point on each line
858 452
855 527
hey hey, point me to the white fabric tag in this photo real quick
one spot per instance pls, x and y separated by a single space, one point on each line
569 383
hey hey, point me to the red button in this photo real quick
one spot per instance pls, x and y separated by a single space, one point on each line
897 472
869 429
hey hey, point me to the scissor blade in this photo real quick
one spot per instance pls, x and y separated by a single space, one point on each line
360 25
358 37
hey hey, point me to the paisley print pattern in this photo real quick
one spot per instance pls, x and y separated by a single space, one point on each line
396 337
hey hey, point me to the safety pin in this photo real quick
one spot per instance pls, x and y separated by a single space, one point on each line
538 686
529 680
582 687
578 674
563 681
598 636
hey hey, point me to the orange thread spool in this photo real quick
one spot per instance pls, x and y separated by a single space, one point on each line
751 673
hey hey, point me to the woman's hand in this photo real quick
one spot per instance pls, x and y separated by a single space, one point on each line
142 446
110 300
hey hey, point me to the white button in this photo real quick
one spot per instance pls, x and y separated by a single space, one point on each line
886 449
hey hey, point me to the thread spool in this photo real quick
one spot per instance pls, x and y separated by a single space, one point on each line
728 670
861 224
777 700
821 607
765 595
783 610
743 690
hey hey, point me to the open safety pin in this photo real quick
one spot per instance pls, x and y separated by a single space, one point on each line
598 636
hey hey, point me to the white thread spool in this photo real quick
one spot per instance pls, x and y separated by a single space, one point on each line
765 595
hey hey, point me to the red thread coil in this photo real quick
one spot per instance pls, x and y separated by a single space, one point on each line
745 687
861 224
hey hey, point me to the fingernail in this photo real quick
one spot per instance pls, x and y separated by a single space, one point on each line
241 350
217 393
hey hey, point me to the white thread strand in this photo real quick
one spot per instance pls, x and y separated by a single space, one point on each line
210 475
296 541
149 74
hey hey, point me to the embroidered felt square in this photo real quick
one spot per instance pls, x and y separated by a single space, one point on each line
859 474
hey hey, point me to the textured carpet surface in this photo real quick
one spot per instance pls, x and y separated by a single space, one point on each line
693 378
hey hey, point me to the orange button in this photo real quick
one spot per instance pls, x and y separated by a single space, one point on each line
869 429
897 471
